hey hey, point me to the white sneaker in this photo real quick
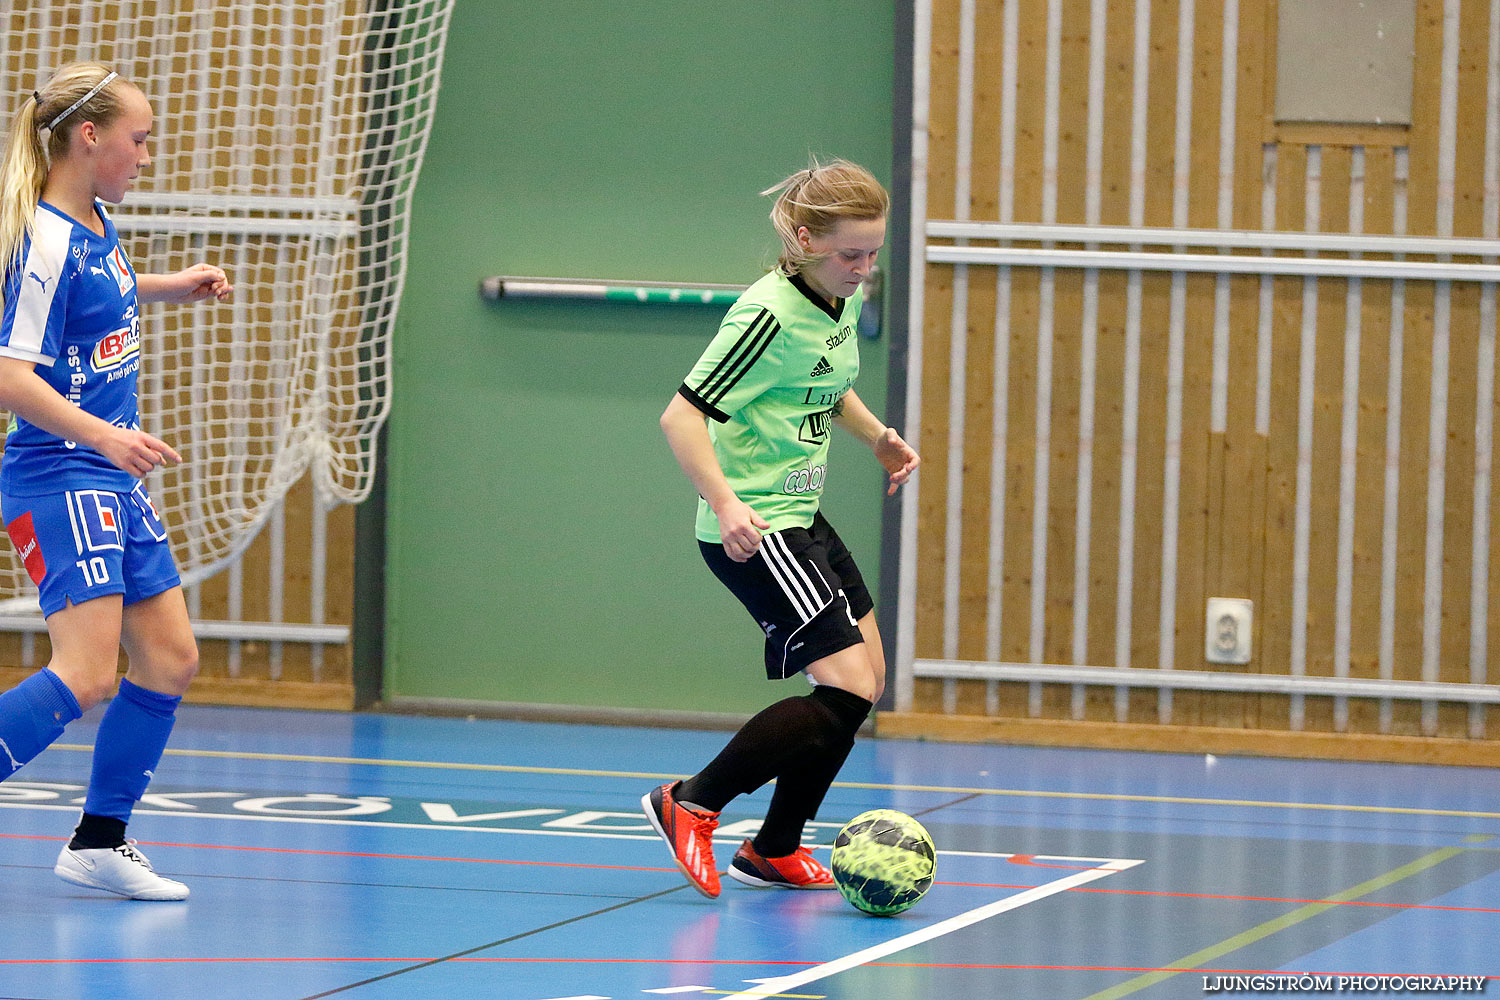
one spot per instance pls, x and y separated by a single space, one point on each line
121 870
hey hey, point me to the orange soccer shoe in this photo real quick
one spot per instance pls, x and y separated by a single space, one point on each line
798 870
689 834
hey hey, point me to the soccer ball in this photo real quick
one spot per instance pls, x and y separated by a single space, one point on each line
883 861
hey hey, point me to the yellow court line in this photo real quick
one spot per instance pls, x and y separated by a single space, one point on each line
1175 800
1024 793
297 758
1281 923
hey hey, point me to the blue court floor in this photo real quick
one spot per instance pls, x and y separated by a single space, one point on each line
381 857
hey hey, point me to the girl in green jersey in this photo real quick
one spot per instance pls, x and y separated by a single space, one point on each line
773 381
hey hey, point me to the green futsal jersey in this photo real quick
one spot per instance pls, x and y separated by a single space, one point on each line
769 381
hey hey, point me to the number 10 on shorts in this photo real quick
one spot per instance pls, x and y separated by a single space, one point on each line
95 571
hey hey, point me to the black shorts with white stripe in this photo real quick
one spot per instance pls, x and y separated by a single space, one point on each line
804 591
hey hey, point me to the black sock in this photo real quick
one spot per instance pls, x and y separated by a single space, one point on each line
94 832
800 790
761 750
796 799
851 709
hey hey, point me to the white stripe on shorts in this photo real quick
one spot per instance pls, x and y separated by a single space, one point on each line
790 574
792 577
794 596
73 523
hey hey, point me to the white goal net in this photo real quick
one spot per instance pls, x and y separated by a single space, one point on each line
288 139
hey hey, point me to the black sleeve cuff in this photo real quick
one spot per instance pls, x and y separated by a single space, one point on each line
708 408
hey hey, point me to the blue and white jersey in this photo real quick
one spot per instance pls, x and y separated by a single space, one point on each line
71 308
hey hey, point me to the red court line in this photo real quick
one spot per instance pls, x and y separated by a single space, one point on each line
643 868
363 854
1030 861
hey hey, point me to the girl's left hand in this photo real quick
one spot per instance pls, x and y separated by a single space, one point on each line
195 284
898 457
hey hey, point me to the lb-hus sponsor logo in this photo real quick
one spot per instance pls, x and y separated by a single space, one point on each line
118 349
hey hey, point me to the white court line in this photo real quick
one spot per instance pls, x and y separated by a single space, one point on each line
441 827
770 987
773 987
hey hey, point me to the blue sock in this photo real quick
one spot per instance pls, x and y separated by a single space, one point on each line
32 715
131 738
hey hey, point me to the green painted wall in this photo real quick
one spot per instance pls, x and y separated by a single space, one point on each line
539 533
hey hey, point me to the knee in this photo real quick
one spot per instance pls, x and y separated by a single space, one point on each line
169 669
181 668
89 687
846 709
88 674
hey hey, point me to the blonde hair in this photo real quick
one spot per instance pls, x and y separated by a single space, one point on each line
819 198
24 163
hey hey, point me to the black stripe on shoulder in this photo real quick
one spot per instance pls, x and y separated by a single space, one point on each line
731 368
729 354
709 410
746 353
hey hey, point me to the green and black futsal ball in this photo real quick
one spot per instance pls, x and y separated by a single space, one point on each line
883 861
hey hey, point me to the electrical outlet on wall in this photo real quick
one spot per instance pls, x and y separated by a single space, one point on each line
1228 633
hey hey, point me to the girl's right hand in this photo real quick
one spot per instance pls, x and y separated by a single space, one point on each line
740 528
136 451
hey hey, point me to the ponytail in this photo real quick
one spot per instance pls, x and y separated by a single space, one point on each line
23 168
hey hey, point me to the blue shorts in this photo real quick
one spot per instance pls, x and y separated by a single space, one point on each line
89 543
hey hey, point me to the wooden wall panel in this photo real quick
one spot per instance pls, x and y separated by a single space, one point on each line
1109 403
934 451
1412 497
980 387
1369 495
1242 528
1238 487
933 446
1020 467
